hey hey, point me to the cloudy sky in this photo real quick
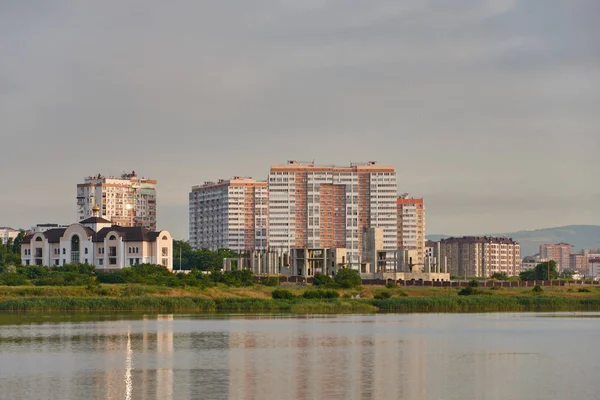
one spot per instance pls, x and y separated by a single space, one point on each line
490 109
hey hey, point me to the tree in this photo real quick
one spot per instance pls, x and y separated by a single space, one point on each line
566 274
501 276
540 272
347 278
322 280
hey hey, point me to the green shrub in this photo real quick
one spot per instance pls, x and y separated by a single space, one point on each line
322 280
282 294
321 294
271 281
391 284
384 294
537 289
584 290
13 279
473 283
468 291
33 271
347 278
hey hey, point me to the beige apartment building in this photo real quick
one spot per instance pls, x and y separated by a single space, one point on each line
411 226
481 256
326 206
125 201
98 242
560 252
229 214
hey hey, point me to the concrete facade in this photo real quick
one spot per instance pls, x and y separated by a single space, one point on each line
411 226
560 252
481 256
229 214
308 262
125 201
313 206
7 234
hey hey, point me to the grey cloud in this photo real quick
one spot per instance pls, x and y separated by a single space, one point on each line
472 100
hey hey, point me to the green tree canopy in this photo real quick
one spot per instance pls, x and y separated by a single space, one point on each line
540 272
347 278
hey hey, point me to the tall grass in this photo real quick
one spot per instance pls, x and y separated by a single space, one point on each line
485 304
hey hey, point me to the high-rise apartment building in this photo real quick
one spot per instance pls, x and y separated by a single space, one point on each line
312 206
411 226
481 256
229 214
560 253
125 201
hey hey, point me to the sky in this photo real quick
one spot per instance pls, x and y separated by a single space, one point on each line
489 109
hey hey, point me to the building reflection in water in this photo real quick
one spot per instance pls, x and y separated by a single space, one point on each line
314 362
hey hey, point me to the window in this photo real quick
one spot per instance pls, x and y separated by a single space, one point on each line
56 262
165 262
100 262
112 254
112 237
64 251
38 239
38 252
164 238
26 262
85 250
165 251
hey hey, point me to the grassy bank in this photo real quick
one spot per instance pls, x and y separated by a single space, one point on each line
395 304
258 298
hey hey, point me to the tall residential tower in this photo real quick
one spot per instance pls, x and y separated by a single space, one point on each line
411 225
125 201
312 206
229 214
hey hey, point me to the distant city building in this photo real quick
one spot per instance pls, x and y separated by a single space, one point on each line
578 262
45 227
411 226
229 214
429 249
125 201
529 263
7 234
312 206
481 256
98 242
560 252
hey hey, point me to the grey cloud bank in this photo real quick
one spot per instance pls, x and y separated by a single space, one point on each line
487 108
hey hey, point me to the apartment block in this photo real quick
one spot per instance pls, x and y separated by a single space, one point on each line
315 206
125 201
7 234
231 214
411 226
560 252
481 256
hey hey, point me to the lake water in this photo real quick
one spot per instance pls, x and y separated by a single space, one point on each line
385 356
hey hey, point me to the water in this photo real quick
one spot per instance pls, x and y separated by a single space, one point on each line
427 356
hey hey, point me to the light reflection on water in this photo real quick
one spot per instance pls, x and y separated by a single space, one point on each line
444 356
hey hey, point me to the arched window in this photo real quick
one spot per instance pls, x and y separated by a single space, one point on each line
112 237
164 238
75 249
38 239
75 243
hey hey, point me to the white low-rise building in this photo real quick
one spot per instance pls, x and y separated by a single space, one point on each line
97 242
7 234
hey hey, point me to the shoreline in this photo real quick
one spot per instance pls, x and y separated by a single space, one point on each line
436 304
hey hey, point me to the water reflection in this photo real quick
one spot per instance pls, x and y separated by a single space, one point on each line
275 357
